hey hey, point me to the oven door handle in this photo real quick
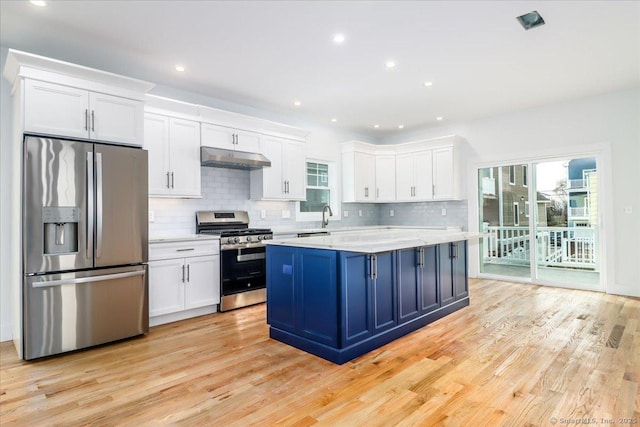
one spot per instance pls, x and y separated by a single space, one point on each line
250 257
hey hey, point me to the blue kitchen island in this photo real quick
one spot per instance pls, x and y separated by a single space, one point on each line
341 296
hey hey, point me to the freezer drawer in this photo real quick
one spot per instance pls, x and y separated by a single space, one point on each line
70 311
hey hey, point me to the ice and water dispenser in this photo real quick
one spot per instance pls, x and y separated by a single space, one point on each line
60 229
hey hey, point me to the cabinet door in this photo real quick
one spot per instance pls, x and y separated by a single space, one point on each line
422 176
428 278
166 286
385 178
56 110
156 141
317 295
184 143
459 276
408 281
272 177
294 174
116 119
247 141
281 301
202 283
447 293
384 312
218 136
355 298
365 177
404 177
443 179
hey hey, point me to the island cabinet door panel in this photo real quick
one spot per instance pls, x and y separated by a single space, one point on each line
355 298
384 292
280 287
317 291
459 269
445 254
408 282
428 278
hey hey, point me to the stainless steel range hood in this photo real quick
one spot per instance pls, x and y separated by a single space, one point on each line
221 158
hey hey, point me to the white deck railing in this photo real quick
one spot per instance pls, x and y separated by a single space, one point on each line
581 212
571 247
576 183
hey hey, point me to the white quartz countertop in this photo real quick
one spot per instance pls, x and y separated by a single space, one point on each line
288 231
377 239
183 238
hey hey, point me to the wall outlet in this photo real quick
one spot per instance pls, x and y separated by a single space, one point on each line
286 213
152 216
263 213
345 214
359 212
391 212
443 212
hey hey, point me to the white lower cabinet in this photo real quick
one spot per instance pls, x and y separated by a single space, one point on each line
184 280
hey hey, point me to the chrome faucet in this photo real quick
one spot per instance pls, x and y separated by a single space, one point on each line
325 221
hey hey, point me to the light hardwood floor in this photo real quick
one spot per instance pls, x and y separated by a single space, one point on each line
519 355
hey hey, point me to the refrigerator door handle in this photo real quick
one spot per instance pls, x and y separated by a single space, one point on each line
98 205
80 280
90 205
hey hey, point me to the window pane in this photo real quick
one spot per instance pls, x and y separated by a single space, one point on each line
316 199
312 180
312 168
323 179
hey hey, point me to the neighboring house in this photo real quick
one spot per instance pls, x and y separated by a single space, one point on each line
505 197
582 186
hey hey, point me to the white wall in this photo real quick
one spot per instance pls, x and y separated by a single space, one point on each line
611 120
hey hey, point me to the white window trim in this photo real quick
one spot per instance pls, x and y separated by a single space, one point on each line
527 209
525 181
514 174
516 214
334 202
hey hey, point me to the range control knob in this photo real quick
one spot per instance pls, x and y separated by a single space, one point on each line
236 240
261 237
230 240
249 238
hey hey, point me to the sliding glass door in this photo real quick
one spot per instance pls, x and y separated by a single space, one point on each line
540 222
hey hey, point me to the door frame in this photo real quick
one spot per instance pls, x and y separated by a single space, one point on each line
602 153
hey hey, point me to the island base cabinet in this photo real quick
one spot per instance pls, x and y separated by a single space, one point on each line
340 305
302 292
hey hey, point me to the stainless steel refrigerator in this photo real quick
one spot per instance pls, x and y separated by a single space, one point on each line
85 229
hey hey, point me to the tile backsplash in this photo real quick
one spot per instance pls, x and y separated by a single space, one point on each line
229 189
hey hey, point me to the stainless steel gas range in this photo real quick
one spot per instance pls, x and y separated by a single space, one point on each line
242 256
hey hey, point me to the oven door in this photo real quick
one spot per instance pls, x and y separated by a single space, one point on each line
242 269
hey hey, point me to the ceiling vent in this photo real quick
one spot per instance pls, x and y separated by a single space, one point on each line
530 20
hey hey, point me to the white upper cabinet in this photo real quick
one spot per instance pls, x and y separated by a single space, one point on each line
285 178
229 138
414 176
385 178
411 172
174 156
59 110
358 176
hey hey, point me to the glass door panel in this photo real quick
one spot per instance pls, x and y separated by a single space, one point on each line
504 218
566 226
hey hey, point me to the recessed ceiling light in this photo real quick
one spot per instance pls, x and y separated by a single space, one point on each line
338 38
427 84
297 103
376 126
530 20
400 126
38 3
334 120
180 68
390 64
439 118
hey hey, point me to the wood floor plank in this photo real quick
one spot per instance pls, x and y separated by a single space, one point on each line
519 355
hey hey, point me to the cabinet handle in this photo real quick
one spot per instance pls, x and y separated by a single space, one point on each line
183 273
168 182
373 266
287 186
93 121
377 193
188 273
455 250
185 250
86 119
421 257
366 191
172 181
433 190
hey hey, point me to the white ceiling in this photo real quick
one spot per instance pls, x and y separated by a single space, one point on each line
266 54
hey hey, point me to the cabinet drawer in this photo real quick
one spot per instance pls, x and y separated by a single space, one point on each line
182 249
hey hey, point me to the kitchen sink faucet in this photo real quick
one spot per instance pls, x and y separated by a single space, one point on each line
325 221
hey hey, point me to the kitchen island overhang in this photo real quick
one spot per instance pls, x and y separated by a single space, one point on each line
339 298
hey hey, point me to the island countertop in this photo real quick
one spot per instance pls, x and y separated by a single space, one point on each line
377 240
